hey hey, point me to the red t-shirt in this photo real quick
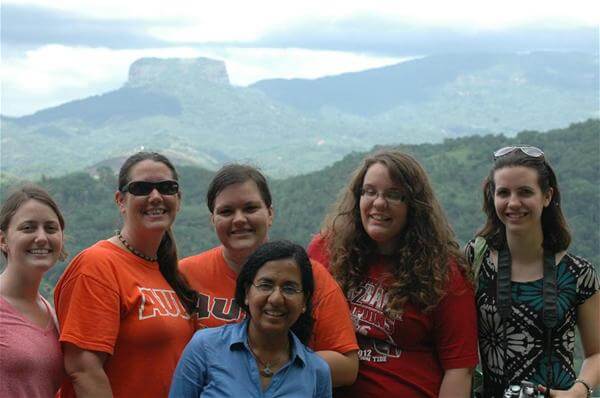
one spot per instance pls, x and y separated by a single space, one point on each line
407 356
111 301
209 274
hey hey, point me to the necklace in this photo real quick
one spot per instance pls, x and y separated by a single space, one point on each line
266 370
134 250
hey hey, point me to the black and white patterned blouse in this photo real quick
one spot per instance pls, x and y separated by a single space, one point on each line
525 357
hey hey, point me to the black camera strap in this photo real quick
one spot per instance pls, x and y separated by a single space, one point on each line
550 313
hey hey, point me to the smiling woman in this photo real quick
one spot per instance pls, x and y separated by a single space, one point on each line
390 247
240 204
122 306
525 255
275 288
31 240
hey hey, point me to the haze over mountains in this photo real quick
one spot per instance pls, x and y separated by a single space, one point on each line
187 109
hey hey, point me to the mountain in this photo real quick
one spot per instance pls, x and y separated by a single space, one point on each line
188 108
456 168
378 91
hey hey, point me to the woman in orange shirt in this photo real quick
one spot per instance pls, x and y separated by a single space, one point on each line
123 309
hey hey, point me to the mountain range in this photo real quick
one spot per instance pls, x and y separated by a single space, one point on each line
187 109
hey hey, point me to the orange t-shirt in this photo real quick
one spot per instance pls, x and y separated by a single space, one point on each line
215 281
111 301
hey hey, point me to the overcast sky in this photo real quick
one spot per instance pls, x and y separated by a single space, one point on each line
60 50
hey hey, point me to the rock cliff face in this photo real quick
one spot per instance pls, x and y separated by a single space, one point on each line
164 73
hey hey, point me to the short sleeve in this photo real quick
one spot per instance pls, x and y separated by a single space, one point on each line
323 381
88 313
456 324
587 279
189 376
469 251
317 250
333 329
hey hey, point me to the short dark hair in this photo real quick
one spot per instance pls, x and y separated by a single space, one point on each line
277 250
554 225
19 197
237 174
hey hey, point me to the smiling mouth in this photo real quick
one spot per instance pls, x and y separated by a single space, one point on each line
155 212
515 216
39 252
379 218
242 232
274 314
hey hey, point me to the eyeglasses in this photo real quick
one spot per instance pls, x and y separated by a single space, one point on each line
528 150
142 188
288 291
390 196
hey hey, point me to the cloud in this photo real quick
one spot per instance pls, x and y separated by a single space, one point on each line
385 36
34 26
54 74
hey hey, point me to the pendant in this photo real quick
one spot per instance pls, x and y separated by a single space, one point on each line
267 372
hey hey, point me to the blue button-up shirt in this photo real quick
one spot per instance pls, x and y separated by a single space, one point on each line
218 363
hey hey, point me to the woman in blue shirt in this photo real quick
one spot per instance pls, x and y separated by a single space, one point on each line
265 355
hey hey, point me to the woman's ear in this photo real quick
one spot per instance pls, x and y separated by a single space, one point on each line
548 196
120 201
3 243
271 211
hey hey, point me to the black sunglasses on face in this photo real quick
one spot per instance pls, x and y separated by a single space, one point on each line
528 150
142 188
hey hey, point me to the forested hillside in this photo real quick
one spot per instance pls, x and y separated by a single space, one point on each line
456 167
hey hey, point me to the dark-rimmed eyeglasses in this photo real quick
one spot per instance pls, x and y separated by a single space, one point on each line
390 196
142 188
289 291
528 150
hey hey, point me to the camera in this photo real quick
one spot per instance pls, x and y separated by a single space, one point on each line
524 390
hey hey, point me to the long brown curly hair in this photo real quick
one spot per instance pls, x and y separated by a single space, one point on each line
420 258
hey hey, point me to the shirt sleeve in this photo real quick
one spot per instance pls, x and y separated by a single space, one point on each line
323 382
189 376
317 250
333 329
587 279
469 251
456 324
89 314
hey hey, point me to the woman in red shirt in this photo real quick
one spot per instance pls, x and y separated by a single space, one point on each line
390 247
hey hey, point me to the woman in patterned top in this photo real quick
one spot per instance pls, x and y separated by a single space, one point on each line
525 220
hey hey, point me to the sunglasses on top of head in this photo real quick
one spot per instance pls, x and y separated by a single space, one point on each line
142 188
528 150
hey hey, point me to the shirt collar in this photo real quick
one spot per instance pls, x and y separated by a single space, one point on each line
239 340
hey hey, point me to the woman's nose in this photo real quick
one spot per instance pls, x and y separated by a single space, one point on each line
239 216
513 200
276 296
41 235
379 201
154 195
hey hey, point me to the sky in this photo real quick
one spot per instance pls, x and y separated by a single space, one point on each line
57 51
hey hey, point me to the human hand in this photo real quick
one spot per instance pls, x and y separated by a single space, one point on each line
578 390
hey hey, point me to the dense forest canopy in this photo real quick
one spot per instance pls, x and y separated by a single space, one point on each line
456 167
